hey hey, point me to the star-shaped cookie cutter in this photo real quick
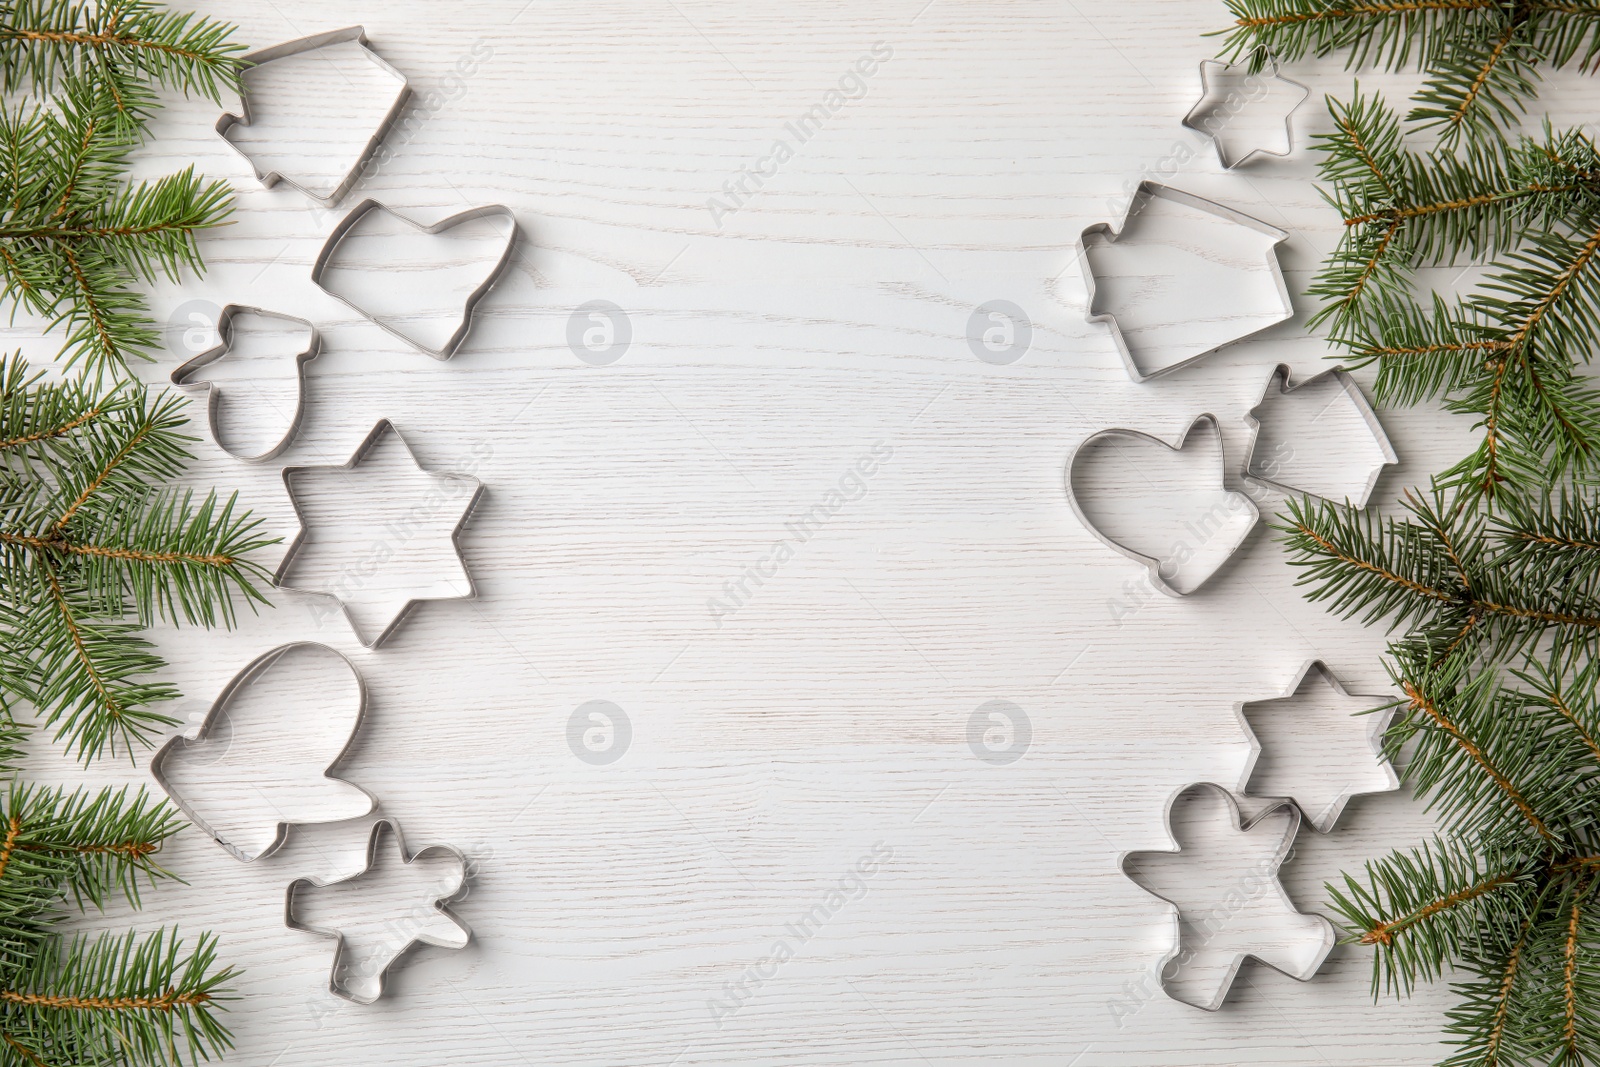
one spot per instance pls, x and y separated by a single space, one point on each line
1323 821
1103 231
376 434
357 34
181 376
365 207
1194 120
439 904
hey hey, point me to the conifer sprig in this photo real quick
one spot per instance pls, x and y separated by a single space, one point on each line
90 542
1490 580
1482 57
76 239
94 541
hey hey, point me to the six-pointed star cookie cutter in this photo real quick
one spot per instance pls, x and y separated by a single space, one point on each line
369 205
240 682
1351 390
1195 119
1153 564
440 904
1104 231
1324 821
376 434
270 178
224 344
1276 861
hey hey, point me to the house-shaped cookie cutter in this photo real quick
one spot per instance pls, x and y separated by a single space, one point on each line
1104 232
270 178
1350 389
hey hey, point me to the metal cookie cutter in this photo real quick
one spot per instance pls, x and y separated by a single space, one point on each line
382 427
1155 565
357 34
1195 119
241 681
360 211
1267 873
1347 391
1322 808
1103 232
186 371
439 906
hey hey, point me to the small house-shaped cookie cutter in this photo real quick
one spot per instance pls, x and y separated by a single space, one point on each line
1358 400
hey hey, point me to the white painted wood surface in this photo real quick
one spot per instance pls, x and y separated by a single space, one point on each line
775 748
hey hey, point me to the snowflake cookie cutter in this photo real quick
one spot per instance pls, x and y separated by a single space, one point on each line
381 428
1106 233
444 351
1195 119
225 338
439 905
1153 564
1350 391
1275 862
269 178
1327 814
240 682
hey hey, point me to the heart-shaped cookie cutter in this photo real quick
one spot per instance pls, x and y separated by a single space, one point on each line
1157 579
369 205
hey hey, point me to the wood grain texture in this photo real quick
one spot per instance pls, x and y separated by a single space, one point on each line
773 747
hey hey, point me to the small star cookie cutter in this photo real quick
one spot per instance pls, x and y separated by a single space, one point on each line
270 178
1195 119
241 681
369 205
225 337
1103 232
1153 564
1350 389
439 904
1275 862
376 434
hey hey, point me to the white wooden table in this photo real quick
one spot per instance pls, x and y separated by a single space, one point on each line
772 347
